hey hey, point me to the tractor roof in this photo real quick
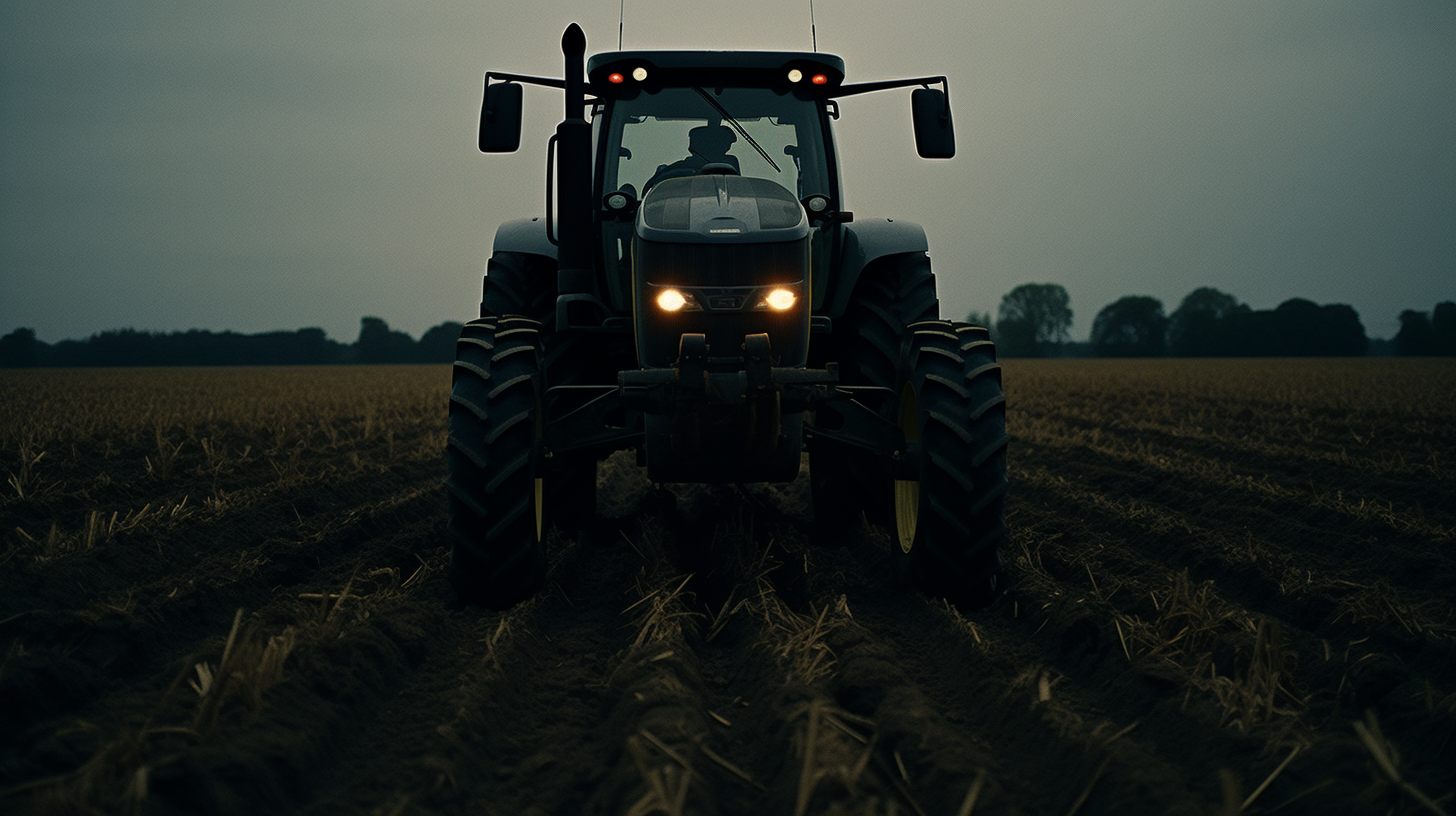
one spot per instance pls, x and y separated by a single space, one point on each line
714 68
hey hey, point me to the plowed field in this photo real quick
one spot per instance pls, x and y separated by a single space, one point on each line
222 591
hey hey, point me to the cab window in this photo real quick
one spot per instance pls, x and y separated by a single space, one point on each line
677 131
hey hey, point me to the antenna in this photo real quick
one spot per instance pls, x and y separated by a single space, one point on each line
813 35
621 8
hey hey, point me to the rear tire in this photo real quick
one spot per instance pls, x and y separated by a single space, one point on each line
889 296
950 522
495 493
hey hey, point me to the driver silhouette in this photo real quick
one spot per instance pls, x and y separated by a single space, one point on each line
707 144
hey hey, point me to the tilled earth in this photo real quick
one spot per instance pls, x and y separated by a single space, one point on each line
1232 591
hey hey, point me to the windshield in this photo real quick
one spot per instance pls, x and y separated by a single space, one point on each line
677 131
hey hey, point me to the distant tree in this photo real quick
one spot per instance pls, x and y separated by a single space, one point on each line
1034 318
1248 333
1343 333
1297 328
313 347
67 353
1131 326
304 347
19 349
378 343
1017 338
1199 327
982 319
1415 338
438 344
121 347
1443 329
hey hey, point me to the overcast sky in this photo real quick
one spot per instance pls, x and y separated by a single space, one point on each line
276 165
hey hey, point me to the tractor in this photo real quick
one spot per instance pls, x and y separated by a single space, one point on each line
696 292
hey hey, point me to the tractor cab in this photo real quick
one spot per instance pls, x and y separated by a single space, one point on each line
656 115
760 117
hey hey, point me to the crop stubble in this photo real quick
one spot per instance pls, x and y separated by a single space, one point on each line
222 590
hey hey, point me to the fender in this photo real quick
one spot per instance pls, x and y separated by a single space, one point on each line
574 309
865 242
526 236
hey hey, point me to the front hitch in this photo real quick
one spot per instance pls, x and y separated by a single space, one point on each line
696 379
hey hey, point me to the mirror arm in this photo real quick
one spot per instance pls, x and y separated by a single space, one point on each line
545 82
529 80
871 87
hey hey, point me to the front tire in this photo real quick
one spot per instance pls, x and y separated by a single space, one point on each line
520 284
890 295
495 493
950 521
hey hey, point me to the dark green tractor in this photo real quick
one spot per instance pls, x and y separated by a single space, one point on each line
697 292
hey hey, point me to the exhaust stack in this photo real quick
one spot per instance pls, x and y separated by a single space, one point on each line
573 181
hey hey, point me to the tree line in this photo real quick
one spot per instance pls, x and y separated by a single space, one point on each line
377 343
1034 320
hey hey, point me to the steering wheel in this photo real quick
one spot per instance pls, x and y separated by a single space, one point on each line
709 169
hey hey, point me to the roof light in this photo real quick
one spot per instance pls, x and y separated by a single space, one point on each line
671 300
615 78
819 79
639 73
795 75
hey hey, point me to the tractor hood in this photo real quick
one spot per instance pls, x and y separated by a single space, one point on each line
720 209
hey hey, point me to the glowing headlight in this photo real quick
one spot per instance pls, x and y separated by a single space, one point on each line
671 300
780 300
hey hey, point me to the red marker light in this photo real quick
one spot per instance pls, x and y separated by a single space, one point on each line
820 79
616 79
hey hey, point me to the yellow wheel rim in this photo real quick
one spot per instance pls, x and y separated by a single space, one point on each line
538 498
540 491
907 492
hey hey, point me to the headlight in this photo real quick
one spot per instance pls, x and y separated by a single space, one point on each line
780 300
671 300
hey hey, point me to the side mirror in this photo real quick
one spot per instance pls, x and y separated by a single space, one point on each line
934 133
500 118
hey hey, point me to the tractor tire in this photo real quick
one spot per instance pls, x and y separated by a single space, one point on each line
525 285
950 520
519 284
495 494
889 296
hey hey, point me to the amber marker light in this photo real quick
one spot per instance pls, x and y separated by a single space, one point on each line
616 79
780 300
671 300
820 79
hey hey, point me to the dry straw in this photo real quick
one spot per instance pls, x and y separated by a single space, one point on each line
1387 761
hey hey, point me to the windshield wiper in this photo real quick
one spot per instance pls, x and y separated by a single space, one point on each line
734 122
